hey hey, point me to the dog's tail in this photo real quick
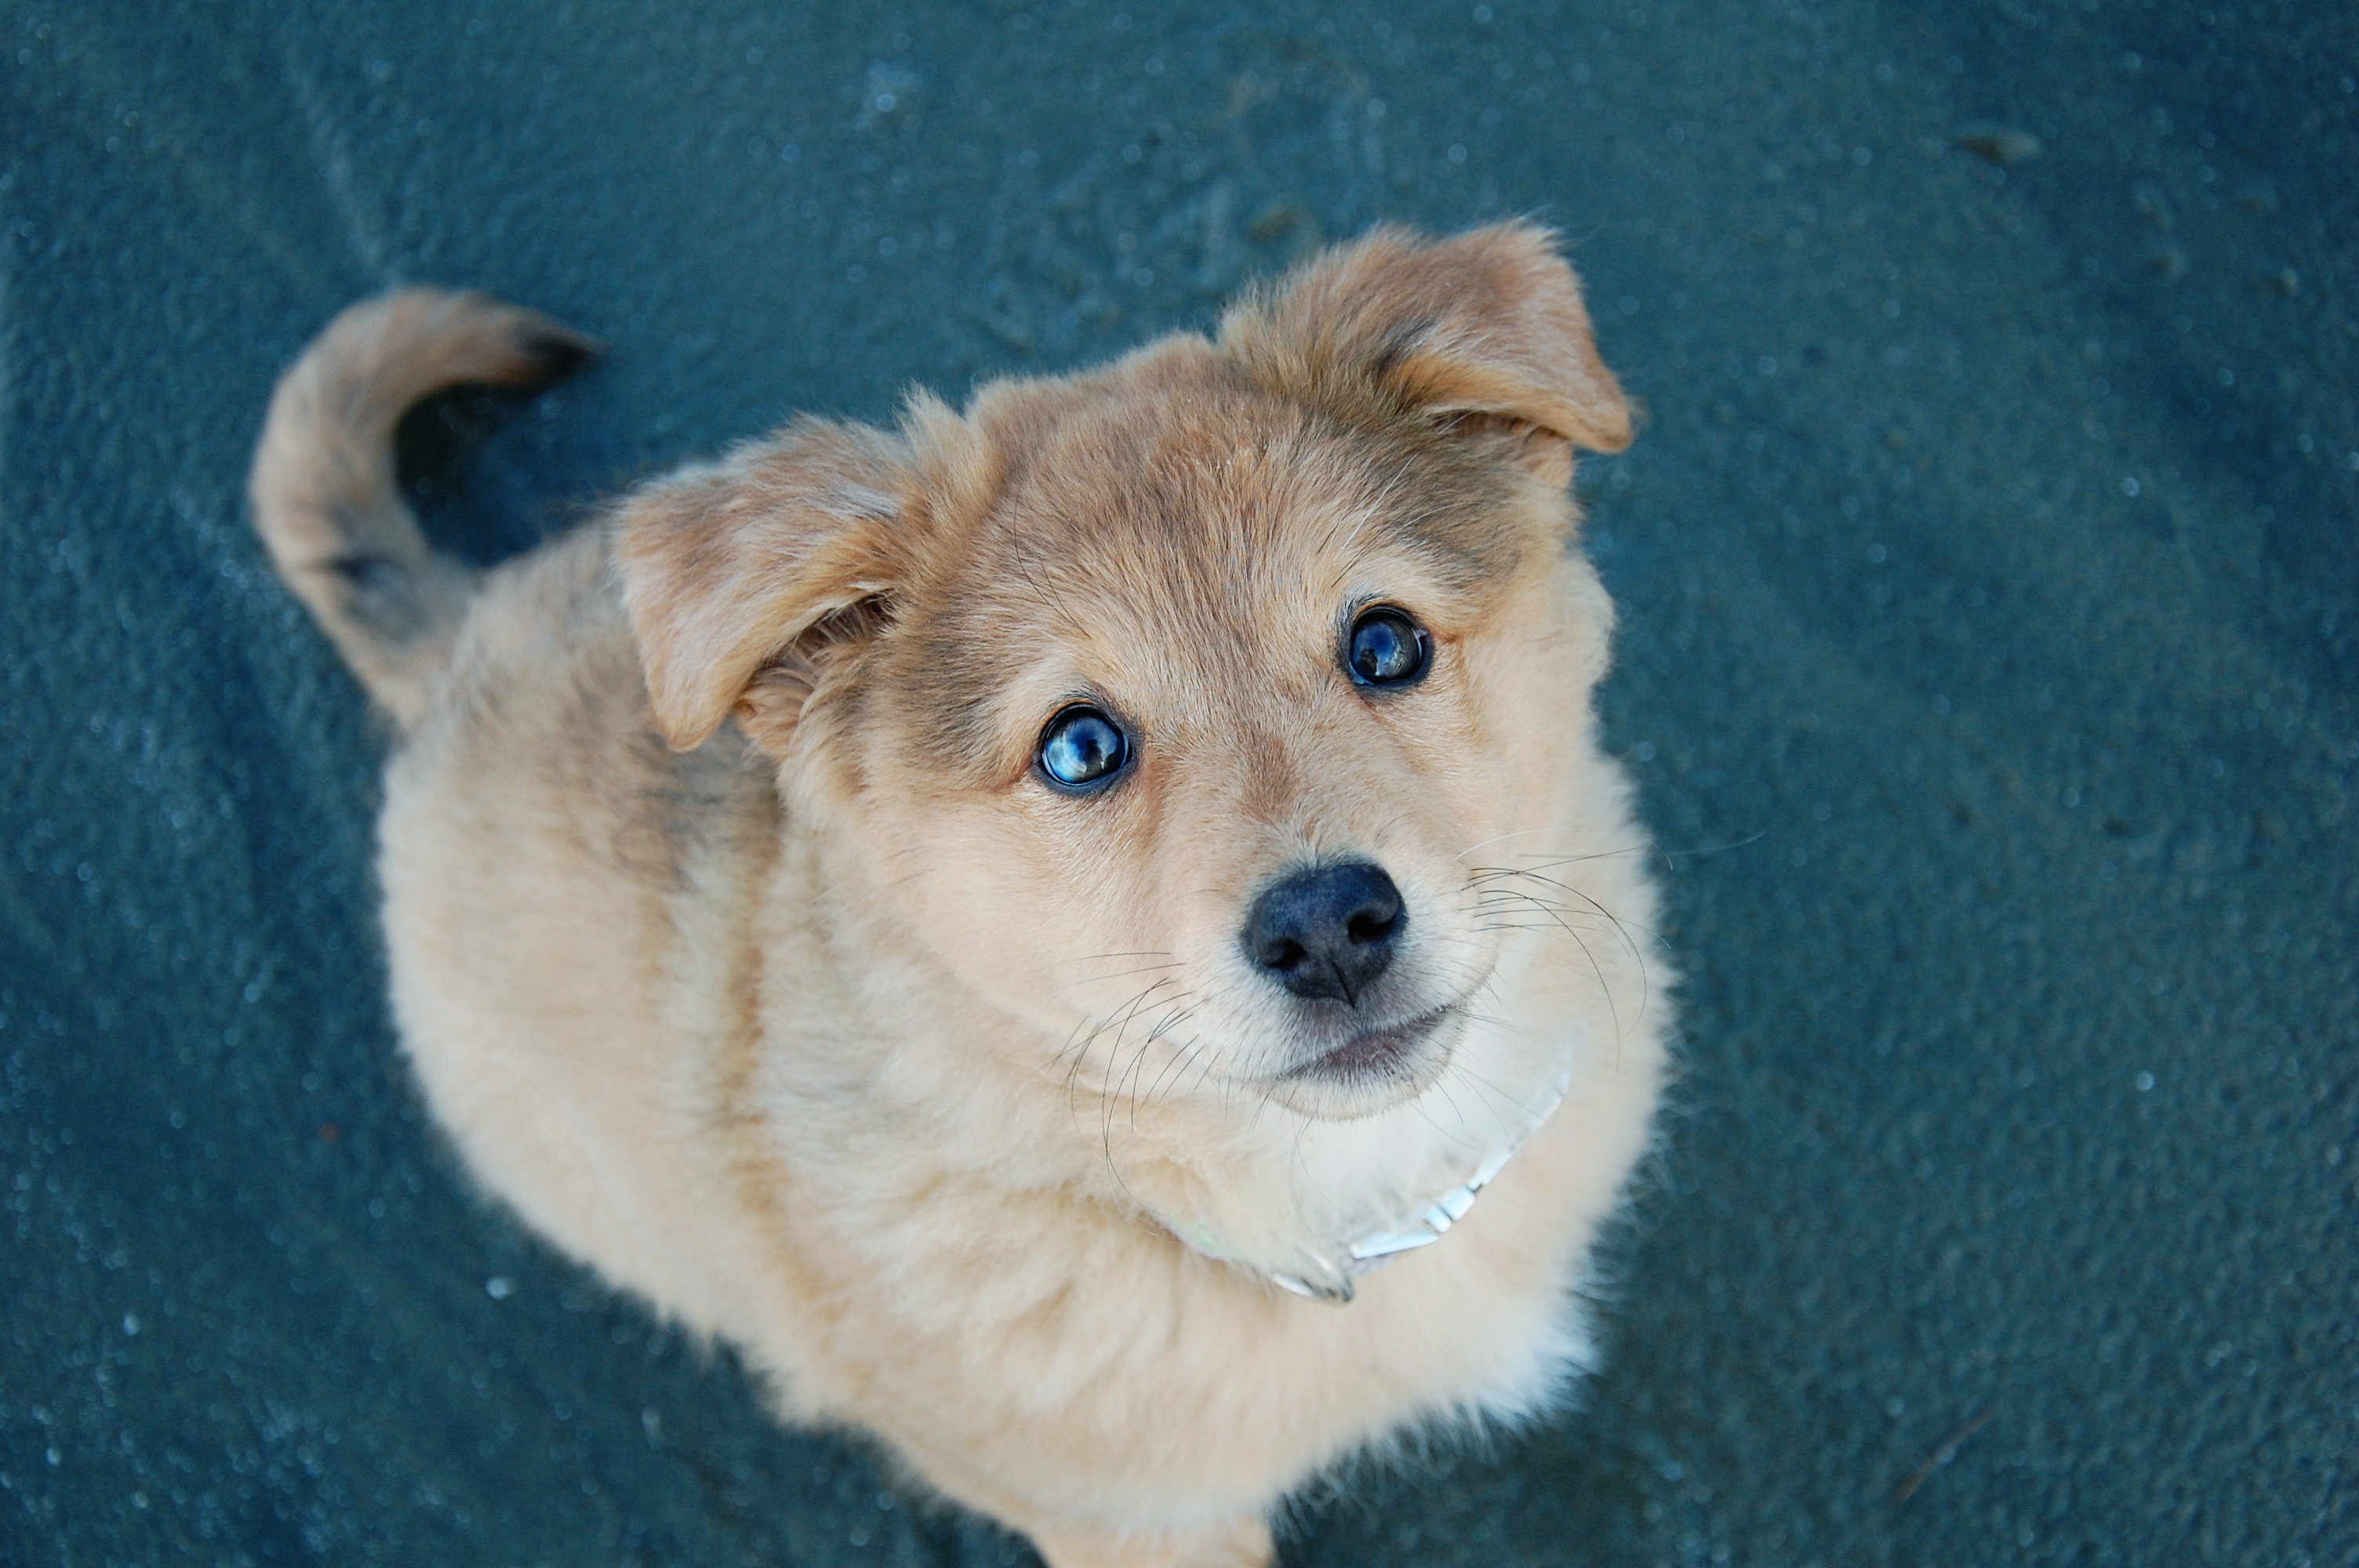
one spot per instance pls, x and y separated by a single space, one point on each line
325 500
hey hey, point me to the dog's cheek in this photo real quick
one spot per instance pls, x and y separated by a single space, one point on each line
1486 761
1005 908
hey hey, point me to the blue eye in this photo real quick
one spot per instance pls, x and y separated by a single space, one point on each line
1081 749
1387 649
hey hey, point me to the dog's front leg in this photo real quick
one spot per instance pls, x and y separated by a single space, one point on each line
1239 1543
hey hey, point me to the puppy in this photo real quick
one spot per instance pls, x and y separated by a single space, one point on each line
990 915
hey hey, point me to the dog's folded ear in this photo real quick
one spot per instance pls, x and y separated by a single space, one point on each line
747 580
1485 333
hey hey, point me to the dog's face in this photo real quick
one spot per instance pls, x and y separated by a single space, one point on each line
1182 742
1167 707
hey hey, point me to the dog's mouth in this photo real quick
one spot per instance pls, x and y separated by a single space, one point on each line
1387 1051
1373 1068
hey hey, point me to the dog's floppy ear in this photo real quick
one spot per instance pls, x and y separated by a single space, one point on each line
747 579
1485 332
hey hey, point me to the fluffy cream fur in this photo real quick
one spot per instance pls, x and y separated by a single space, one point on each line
739 945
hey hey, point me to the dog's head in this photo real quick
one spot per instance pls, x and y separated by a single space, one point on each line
1167 707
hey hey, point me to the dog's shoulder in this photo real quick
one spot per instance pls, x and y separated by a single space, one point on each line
541 723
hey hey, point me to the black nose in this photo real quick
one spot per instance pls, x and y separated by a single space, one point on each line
1327 933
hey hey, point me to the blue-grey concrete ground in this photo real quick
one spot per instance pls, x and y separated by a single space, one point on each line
1990 574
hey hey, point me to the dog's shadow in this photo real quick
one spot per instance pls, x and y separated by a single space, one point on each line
491 472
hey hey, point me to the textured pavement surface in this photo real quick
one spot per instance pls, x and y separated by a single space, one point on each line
1990 574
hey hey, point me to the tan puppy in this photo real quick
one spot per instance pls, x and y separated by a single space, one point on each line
987 916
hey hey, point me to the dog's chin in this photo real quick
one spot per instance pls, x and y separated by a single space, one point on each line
1371 1070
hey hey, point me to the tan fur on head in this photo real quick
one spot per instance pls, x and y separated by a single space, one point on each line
744 942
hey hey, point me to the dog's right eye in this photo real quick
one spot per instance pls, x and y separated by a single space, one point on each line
1081 749
1387 648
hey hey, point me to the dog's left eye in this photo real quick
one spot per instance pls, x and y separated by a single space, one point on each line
1081 749
1388 648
